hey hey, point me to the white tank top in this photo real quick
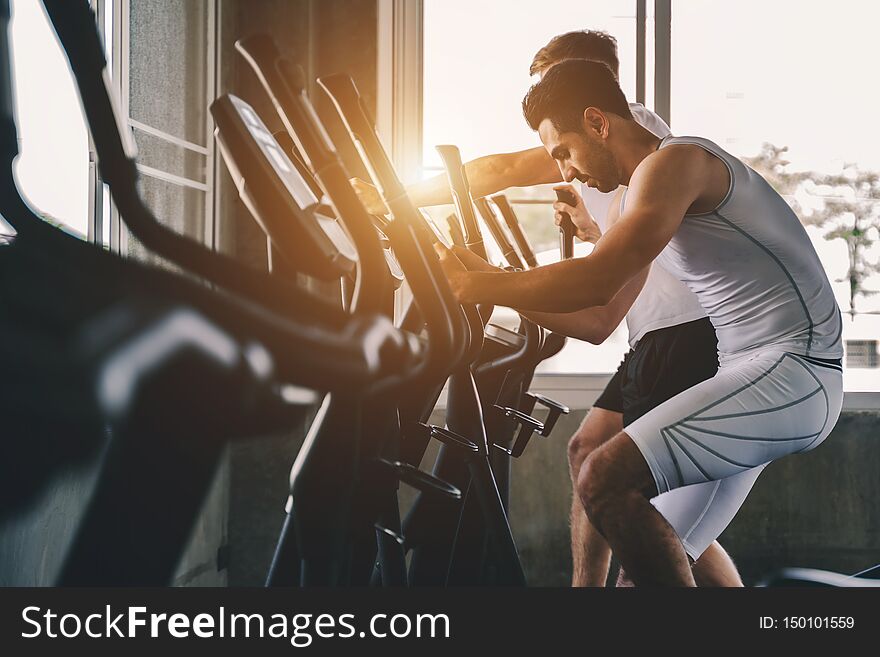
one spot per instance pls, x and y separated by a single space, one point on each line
754 269
664 301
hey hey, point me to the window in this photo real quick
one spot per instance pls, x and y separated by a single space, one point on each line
53 163
790 81
476 62
173 136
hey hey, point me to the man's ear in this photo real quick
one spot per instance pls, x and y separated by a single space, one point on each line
595 122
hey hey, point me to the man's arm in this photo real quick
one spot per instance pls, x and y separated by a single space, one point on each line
592 325
661 190
487 175
595 324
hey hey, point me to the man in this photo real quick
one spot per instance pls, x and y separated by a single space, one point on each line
673 344
718 227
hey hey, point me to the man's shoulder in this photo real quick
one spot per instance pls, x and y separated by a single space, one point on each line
680 152
675 161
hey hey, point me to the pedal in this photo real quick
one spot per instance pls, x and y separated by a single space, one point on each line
527 427
523 419
393 535
449 438
421 480
555 408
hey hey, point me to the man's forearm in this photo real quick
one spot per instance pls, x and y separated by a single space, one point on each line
487 175
589 324
594 324
562 287
433 191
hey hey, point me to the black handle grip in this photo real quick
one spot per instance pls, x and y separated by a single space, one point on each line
455 230
566 226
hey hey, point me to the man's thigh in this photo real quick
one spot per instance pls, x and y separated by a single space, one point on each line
616 468
748 415
599 426
698 513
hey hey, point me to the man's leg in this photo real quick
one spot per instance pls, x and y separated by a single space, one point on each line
590 554
721 430
616 487
664 363
714 568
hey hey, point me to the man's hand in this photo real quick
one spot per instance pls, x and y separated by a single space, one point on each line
369 196
456 273
472 261
587 228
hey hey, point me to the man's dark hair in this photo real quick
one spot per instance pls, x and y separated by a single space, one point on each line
568 89
581 44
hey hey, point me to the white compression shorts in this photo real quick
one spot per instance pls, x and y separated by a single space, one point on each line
706 446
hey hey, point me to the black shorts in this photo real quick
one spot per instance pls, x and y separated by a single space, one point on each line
663 363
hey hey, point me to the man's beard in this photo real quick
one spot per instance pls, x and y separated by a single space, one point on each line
604 162
601 185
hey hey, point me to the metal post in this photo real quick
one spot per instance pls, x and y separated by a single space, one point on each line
663 58
641 22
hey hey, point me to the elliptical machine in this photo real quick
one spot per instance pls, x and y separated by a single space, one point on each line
153 368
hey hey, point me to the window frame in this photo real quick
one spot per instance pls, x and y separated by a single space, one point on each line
400 75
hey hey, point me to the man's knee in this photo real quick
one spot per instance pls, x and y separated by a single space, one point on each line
594 486
598 427
580 446
612 475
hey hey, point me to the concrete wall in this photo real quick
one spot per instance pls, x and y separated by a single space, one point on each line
819 510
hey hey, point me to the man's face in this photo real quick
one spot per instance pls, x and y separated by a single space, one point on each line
581 156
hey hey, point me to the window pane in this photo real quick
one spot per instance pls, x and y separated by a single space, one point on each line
536 217
797 76
168 46
481 112
476 65
53 166
170 157
180 208
176 73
